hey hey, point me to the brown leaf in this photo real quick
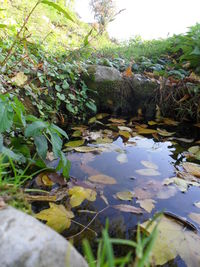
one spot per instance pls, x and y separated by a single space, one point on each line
128 208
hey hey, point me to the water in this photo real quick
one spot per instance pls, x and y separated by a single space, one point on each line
164 153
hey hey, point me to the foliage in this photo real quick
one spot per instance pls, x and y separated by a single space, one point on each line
105 254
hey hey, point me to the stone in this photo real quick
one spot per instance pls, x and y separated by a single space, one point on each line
26 242
121 95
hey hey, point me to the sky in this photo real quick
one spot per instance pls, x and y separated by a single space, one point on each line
151 19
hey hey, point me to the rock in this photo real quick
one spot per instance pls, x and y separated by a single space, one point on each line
26 242
118 94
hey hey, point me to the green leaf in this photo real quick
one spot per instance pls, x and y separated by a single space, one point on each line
6 116
3 26
58 130
35 128
64 165
56 142
41 145
10 154
58 8
91 105
196 51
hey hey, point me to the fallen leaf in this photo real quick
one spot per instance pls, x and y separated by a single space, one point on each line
181 184
128 72
128 208
102 179
141 193
103 140
151 123
185 140
148 172
124 128
166 193
120 121
173 240
122 158
86 149
79 194
163 132
195 217
57 217
101 116
125 134
19 79
197 204
77 133
149 164
147 204
46 198
192 168
125 195
75 143
2 204
141 130
169 121
46 181
195 151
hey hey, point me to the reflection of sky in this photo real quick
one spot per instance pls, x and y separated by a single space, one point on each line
148 18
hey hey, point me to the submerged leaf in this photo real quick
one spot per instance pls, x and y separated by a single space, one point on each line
79 194
128 208
148 172
102 179
57 217
122 158
181 184
125 195
149 164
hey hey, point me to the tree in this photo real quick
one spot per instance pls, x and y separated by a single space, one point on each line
104 12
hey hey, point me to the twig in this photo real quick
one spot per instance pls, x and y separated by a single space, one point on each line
86 227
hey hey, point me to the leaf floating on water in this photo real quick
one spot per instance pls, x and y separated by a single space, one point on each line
174 240
122 158
195 217
197 204
125 129
142 130
147 204
79 194
103 140
120 121
140 193
149 164
181 184
125 195
125 134
148 172
163 132
195 151
102 179
57 217
75 143
128 208
192 168
86 149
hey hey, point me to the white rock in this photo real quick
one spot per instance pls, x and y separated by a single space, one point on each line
26 242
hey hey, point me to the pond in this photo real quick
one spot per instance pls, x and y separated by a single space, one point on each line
128 164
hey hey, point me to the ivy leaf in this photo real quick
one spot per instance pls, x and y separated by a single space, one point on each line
64 165
56 142
57 217
58 8
79 194
41 145
6 116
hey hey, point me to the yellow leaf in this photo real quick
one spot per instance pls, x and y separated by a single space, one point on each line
151 123
101 116
163 132
170 122
57 217
79 194
192 168
195 217
102 179
75 143
118 121
142 130
147 204
20 79
125 134
125 195
173 240
128 72
103 140
77 133
46 181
